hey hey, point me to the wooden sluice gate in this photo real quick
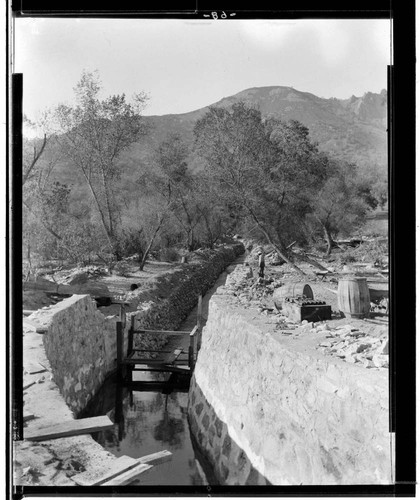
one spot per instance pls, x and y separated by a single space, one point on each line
179 360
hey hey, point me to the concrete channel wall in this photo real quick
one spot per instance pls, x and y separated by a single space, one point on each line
80 341
266 408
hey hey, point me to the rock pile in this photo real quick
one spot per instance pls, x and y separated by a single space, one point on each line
355 346
79 275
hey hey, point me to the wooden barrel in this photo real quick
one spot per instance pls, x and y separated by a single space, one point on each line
291 290
353 297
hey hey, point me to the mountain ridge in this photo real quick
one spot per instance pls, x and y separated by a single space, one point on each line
352 129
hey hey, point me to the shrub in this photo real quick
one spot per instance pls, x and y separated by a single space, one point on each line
169 255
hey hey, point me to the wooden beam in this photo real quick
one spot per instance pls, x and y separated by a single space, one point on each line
192 348
70 428
120 347
200 311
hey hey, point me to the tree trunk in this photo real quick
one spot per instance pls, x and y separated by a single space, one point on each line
149 246
328 240
280 253
46 226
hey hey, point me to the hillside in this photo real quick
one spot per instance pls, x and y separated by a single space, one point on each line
353 129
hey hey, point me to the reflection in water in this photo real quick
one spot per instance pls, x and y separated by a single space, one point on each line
148 422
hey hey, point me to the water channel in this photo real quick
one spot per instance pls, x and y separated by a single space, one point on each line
149 421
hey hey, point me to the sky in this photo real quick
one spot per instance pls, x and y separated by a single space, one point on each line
184 65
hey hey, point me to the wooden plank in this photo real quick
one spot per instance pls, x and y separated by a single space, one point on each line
152 350
156 458
174 356
70 428
128 476
27 312
28 416
153 362
148 386
33 368
98 476
144 464
184 369
163 332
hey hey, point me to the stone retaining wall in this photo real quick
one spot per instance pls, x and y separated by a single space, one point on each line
267 407
80 341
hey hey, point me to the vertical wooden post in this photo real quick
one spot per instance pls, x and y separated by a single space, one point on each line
191 349
130 345
199 320
122 314
131 336
120 350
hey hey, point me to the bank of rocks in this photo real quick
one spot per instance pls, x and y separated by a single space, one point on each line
164 302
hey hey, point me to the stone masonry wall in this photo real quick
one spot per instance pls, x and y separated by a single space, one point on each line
266 407
80 341
80 344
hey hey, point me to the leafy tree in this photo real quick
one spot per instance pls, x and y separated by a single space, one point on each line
93 134
265 169
341 203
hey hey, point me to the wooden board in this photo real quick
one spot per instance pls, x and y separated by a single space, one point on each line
163 332
174 356
70 428
144 464
184 370
149 362
95 477
156 458
148 386
129 476
33 368
27 312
